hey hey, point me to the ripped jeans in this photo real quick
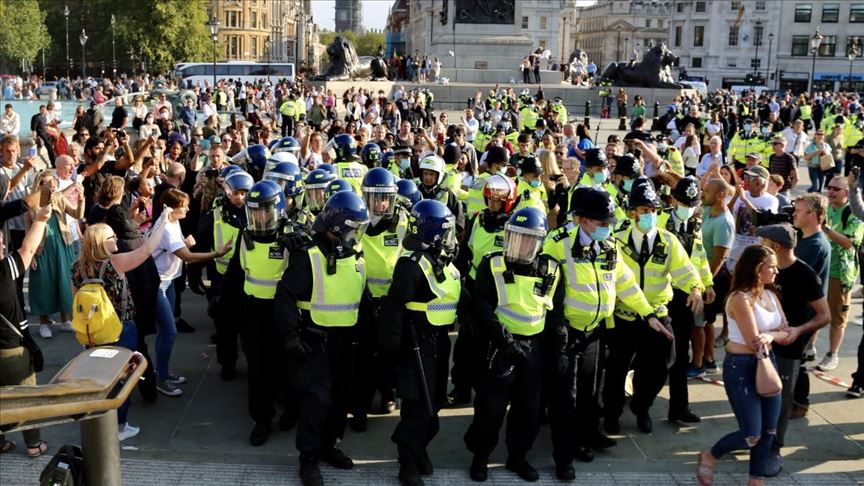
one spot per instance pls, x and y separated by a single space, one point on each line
757 416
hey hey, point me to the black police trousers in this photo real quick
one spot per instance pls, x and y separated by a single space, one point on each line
416 427
323 381
372 371
467 356
634 342
262 345
682 328
227 318
574 412
519 388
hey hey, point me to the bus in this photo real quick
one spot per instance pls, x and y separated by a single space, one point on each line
196 73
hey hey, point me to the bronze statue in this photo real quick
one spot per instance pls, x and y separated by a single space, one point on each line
346 66
653 71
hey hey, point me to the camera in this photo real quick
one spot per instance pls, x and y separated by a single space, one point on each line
764 218
211 173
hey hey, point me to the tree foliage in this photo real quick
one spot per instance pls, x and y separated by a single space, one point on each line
22 30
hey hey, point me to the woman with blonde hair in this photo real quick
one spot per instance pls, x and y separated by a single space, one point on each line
100 259
50 269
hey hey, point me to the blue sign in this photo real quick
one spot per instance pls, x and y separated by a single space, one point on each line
837 77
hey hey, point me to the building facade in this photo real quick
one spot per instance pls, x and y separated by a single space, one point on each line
349 16
396 31
841 25
611 30
244 27
547 24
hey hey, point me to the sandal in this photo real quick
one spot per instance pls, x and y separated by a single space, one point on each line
7 446
37 450
704 472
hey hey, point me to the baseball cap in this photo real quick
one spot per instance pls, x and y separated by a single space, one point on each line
782 234
754 155
215 140
758 171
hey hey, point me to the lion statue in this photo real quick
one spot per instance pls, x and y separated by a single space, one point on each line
346 66
653 71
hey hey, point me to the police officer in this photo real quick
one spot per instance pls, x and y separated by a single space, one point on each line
262 259
371 155
496 163
288 111
627 170
221 225
346 164
253 160
681 220
401 164
452 175
659 261
581 305
745 141
382 245
512 292
421 306
287 144
431 185
484 234
530 188
317 313
596 170
316 189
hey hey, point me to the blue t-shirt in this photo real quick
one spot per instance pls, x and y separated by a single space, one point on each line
815 250
583 145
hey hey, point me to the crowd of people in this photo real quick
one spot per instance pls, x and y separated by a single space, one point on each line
564 265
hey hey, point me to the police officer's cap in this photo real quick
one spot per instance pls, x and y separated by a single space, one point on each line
839 120
594 157
541 123
497 155
687 192
452 154
643 194
627 166
591 203
530 165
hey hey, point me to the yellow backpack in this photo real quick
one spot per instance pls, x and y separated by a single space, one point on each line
94 318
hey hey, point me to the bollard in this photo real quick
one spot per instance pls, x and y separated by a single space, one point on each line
655 123
656 110
622 116
587 121
101 448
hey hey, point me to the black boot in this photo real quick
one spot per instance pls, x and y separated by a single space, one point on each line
458 397
564 470
310 473
336 458
409 475
259 434
479 468
583 454
424 464
522 468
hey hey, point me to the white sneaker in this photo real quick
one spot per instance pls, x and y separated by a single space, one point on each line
67 326
810 353
829 362
127 432
45 331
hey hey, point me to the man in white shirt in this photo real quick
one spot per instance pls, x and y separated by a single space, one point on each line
10 122
755 198
471 125
796 139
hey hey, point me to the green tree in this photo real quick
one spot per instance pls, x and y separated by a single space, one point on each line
368 43
22 30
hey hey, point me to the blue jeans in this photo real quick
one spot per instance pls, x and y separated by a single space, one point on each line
129 340
166 330
757 416
817 179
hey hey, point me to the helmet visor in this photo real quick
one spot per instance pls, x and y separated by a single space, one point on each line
353 233
521 245
262 221
316 196
380 201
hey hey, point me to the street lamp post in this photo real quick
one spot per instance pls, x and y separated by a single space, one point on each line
815 42
853 53
618 46
768 68
756 42
213 24
83 38
113 51
267 45
131 53
68 60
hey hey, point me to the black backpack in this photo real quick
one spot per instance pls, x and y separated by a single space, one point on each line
66 468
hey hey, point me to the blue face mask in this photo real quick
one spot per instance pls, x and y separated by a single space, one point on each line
404 164
684 213
602 233
599 177
647 221
661 147
535 183
628 185
765 131
747 127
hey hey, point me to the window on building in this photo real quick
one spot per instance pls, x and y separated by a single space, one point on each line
856 13
698 36
659 23
542 23
264 20
731 62
677 36
234 46
733 35
700 6
758 32
760 5
696 62
254 20
647 23
679 7
232 19
734 5
254 50
803 12
855 41
831 13
828 46
524 22
800 45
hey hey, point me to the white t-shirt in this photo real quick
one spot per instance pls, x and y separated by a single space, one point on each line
168 264
744 223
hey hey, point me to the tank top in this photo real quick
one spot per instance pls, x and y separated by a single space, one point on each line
766 320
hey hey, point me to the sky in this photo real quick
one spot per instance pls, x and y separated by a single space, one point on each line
374 12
